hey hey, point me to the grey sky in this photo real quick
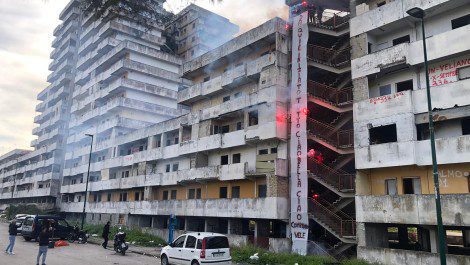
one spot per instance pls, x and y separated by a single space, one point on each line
26 28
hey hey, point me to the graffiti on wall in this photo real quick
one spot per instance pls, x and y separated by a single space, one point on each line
447 72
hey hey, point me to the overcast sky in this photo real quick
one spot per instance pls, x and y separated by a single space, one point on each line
26 28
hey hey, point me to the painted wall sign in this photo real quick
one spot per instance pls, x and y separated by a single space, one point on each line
447 72
298 142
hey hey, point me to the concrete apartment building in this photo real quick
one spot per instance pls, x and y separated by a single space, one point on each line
223 166
34 177
196 31
395 206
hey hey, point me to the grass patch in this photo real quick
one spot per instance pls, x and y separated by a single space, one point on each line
242 255
134 235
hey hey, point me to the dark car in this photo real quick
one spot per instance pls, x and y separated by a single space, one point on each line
33 223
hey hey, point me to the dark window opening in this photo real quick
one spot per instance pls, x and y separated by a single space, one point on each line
225 129
224 160
253 118
236 158
191 194
239 126
263 152
225 99
385 90
422 131
167 168
207 78
215 129
381 3
262 191
137 196
165 195
465 126
411 186
175 167
274 150
173 194
369 48
109 197
198 194
223 192
235 192
404 39
383 134
405 85
460 22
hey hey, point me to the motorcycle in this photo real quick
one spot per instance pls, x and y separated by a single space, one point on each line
120 244
78 235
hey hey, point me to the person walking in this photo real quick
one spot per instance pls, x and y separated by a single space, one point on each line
44 237
12 231
105 235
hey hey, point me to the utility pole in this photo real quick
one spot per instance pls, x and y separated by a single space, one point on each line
420 14
87 179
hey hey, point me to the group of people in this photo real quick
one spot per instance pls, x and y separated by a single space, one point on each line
43 239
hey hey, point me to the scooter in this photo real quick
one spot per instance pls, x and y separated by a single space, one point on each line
120 244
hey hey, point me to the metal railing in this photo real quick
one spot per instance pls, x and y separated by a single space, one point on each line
340 138
329 20
341 181
343 227
332 57
333 95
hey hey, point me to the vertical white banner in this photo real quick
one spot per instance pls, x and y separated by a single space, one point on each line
298 142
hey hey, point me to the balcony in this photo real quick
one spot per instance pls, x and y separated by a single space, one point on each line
413 209
262 208
218 84
455 42
395 11
399 256
449 150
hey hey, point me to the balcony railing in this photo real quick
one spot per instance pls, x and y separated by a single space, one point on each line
328 56
340 180
340 138
341 225
332 95
329 20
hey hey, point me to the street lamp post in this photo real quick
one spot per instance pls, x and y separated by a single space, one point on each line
419 13
87 178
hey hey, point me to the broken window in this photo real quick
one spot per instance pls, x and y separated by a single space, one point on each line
405 85
422 131
224 160
262 191
464 73
383 134
253 118
173 194
391 187
385 90
460 22
404 39
223 192
411 186
235 192
236 158
465 126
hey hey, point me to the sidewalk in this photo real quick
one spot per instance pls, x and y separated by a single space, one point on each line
148 251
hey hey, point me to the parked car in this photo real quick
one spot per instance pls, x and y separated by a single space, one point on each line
33 223
19 223
197 249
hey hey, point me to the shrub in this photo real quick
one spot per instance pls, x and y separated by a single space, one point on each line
13 210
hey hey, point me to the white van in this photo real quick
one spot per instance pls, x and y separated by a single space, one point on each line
198 249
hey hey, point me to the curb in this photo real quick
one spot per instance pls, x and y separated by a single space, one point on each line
130 250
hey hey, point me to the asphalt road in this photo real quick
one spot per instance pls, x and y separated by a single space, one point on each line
75 254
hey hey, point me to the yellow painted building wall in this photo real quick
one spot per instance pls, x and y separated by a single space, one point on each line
453 179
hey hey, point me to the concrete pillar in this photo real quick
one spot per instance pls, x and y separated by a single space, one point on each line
151 142
229 224
433 240
148 194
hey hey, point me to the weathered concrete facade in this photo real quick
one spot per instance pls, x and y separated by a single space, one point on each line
395 207
222 167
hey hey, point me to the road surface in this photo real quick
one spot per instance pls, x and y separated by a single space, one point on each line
75 254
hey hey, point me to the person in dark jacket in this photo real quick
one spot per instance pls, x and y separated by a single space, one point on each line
44 237
12 231
105 235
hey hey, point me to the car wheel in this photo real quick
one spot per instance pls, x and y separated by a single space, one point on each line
27 238
165 260
194 262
